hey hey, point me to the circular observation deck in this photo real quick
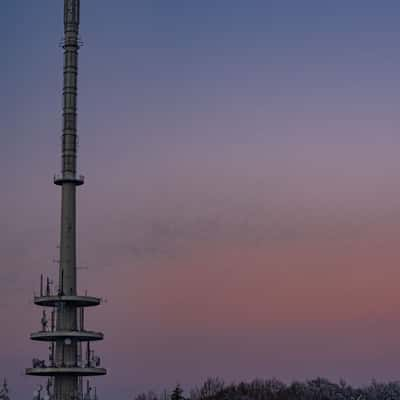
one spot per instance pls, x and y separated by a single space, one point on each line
77 301
70 371
78 180
80 336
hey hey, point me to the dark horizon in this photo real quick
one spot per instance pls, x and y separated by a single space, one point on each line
267 389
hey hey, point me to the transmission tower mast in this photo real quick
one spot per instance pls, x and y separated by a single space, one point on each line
66 365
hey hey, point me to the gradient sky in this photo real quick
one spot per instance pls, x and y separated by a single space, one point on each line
242 208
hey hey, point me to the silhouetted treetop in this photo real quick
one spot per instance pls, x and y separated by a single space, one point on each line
273 389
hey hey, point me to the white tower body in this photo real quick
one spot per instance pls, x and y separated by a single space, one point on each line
67 365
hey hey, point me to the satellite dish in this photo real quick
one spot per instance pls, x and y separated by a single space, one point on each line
68 341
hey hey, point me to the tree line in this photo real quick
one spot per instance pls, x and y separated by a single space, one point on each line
273 389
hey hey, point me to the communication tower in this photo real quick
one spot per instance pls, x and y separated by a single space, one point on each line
62 325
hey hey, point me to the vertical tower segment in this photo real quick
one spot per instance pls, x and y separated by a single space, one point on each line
68 179
71 47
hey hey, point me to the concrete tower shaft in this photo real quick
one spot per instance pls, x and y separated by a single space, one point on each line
64 386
